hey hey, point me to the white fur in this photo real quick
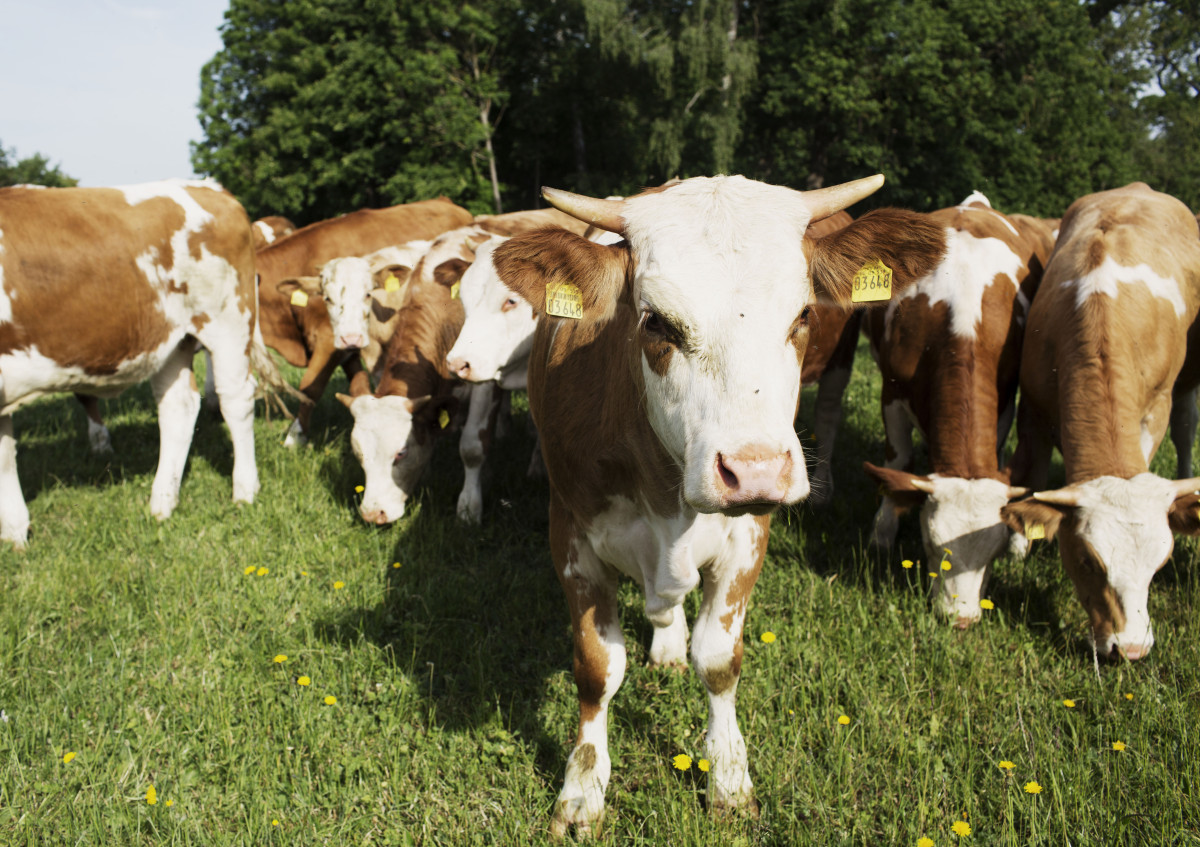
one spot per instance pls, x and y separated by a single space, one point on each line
5 298
346 285
265 231
485 397
1109 276
407 254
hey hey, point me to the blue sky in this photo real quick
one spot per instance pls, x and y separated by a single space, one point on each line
106 89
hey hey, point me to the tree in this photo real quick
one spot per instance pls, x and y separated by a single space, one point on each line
32 170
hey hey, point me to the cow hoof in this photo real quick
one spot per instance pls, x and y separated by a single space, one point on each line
16 539
574 813
99 439
470 511
245 493
295 436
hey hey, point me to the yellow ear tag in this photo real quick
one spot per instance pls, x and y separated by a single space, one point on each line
872 282
299 298
444 418
1035 531
454 291
391 283
564 300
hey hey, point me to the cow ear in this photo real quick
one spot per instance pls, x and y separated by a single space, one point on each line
401 273
909 244
528 262
904 489
450 271
1035 519
308 284
1184 514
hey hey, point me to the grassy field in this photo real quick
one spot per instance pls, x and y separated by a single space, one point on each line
440 707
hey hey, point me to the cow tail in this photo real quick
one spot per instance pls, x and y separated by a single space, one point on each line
271 385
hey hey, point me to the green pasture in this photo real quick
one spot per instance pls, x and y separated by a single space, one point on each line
154 653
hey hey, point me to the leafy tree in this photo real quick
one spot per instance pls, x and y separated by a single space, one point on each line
32 170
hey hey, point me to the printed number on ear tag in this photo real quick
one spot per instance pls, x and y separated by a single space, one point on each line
299 298
1035 531
443 419
872 282
391 283
564 300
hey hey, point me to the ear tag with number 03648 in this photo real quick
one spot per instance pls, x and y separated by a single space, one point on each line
443 419
872 282
564 300
391 283
299 298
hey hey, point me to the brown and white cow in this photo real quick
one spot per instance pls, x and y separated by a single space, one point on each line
1104 349
300 328
270 229
103 288
665 402
949 351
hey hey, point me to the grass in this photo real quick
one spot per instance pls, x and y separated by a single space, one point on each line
148 648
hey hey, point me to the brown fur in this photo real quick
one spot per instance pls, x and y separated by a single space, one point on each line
278 224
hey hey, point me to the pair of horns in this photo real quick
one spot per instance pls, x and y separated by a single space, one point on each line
926 485
610 214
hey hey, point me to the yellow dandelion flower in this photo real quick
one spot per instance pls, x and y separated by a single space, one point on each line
1033 788
704 765
263 571
933 574
1129 696
249 570
275 822
303 573
986 604
330 700
169 803
339 585
151 796
924 842
907 563
1007 765
304 681
682 762
961 828
844 720
67 757
768 637
1070 704
1118 746
395 564
280 659
947 551
945 565
358 489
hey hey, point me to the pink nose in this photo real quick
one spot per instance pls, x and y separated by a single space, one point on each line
377 517
353 341
459 367
1133 652
754 475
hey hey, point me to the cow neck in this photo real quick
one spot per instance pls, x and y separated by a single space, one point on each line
585 393
425 329
282 328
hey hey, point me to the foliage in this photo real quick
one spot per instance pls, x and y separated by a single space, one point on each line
146 649
31 170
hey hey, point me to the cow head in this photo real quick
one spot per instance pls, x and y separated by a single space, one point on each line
345 284
959 515
1114 534
393 440
720 277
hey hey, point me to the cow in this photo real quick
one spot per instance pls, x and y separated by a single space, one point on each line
103 288
664 380
298 327
1105 351
270 229
949 352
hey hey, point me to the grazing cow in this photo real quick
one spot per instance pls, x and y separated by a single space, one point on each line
298 327
270 229
663 380
949 351
1105 349
102 288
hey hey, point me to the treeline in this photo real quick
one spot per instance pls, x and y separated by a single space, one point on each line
317 107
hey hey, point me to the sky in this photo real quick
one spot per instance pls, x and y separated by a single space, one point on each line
106 89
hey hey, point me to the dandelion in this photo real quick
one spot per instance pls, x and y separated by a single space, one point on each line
358 489
304 681
906 564
275 822
280 659
263 571
1129 695
704 765
67 757
303 573
986 604
395 564
330 700
768 637
169 803
947 551
1033 788
933 574
844 720
961 828
1070 704
682 762
339 585
249 570
945 565
1118 746
1007 765
151 796
924 842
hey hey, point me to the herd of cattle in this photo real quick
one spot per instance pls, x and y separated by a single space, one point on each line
663 340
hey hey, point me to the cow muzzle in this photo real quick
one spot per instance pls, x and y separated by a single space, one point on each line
753 477
350 341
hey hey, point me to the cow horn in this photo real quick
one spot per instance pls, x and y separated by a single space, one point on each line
922 484
1186 486
605 214
823 202
1059 497
1016 492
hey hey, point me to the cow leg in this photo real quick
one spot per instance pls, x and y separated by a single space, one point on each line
717 657
178 404
591 591
473 447
1183 430
98 436
233 388
212 401
504 417
14 514
321 366
830 389
898 430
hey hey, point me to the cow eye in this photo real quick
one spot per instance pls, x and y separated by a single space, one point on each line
804 315
509 304
400 456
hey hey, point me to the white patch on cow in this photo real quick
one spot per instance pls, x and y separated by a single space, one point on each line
1109 276
970 267
730 388
391 458
407 254
1125 523
1147 441
14 514
265 231
485 397
6 314
975 197
963 516
346 285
